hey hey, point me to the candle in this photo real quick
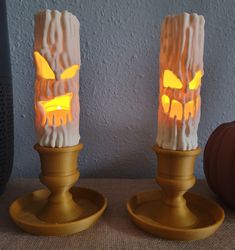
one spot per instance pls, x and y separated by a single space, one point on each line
181 70
57 63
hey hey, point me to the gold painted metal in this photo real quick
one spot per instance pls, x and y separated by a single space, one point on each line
175 175
62 210
59 174
24 212
170 213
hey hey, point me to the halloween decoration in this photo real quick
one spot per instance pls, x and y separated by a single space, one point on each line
6 103
64 209
181 70
219 166
170 213
57 61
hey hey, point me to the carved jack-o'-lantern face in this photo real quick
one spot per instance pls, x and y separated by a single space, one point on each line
180 71
57 62
56 110
178 101
44 70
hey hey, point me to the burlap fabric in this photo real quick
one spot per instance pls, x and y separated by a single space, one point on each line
115 229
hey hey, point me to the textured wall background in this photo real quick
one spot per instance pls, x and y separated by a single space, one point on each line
119 79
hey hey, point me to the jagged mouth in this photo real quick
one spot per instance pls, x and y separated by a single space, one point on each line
57 111
178 110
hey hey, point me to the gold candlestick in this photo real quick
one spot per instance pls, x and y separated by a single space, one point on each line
175 175
62 209
59 174
169 212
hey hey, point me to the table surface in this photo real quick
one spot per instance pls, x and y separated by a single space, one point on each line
114 230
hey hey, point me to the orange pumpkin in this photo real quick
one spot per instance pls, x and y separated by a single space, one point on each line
219 162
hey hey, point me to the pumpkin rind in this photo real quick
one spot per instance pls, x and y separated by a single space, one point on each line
219 162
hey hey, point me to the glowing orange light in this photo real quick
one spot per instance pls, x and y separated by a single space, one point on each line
70 72
45 71
175 109
189 110
42 67
171 80
196 82
57 111
165 103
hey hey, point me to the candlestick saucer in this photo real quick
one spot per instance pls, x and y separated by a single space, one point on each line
171 212
143 209
24 212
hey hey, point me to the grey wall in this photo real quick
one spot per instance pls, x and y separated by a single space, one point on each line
119 80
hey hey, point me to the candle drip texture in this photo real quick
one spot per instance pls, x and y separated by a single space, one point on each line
57 62
181 70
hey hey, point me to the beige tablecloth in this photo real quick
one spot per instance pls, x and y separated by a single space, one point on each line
115 229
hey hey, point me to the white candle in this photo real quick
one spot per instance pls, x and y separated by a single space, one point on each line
57 62
181 70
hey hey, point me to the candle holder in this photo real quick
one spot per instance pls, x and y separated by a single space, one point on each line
61 209
170 213
64 209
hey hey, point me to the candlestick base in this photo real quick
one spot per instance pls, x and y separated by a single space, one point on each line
169 213
62 210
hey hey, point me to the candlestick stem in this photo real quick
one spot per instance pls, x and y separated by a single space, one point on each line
59 174
175 175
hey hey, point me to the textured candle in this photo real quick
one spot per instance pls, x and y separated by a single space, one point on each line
181 70
57 62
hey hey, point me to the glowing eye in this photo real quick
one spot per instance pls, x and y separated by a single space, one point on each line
171 80
196 82
42 66
70 72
